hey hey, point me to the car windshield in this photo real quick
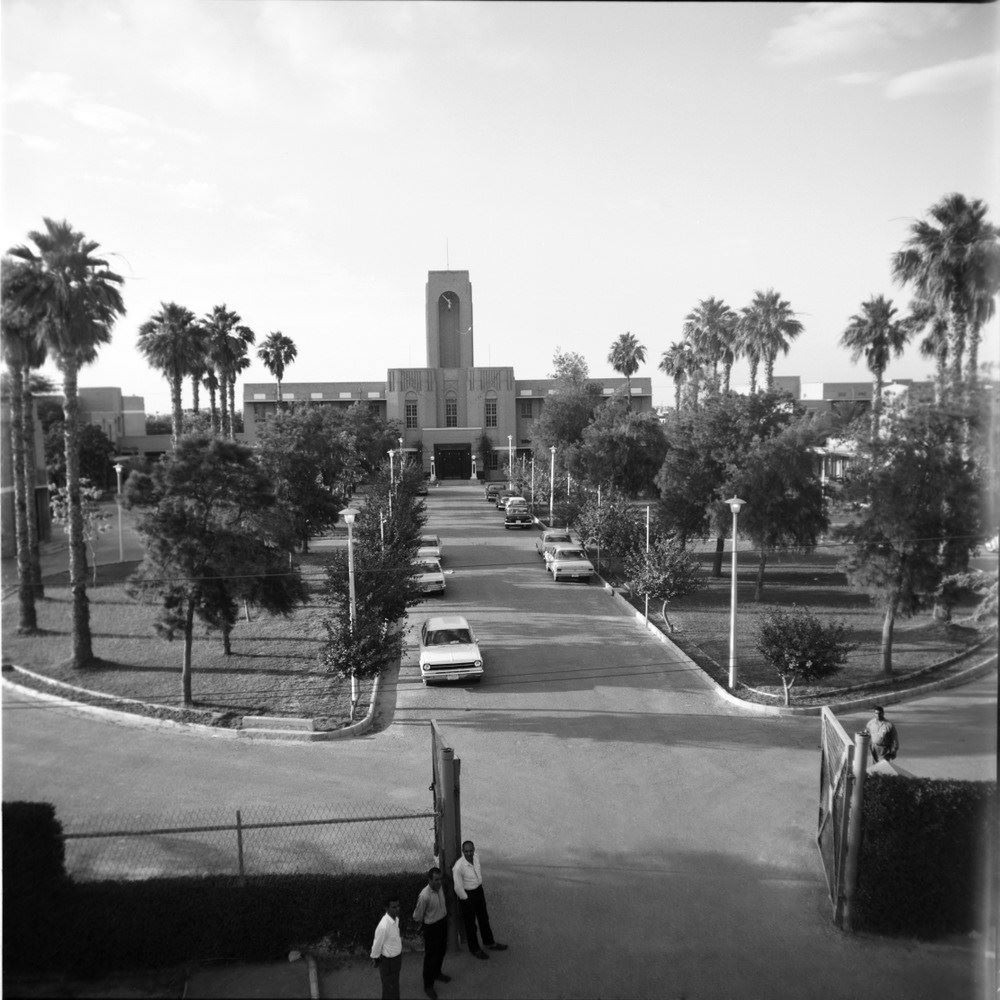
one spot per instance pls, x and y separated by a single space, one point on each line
552 539
429 540
449 637
429 566
570 554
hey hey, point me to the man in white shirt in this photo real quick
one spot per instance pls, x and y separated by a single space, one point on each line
387 950
468 879
431 914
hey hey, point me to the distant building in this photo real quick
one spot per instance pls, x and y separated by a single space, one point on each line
448 408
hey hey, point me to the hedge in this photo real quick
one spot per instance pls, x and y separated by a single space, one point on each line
928 856
33 855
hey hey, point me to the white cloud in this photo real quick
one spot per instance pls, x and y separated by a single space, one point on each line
946 78
38 142
196 194
49 89
106 117
829 29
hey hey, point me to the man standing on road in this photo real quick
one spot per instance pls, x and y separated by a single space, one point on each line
432 915
387 950
884 741
468 878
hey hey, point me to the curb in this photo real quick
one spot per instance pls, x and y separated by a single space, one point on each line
148 722
865 701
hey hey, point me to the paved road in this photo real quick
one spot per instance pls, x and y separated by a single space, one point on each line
639 837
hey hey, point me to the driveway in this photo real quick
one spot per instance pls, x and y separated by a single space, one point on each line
639 837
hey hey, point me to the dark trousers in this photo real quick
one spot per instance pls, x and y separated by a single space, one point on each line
435 945
388 969
473 909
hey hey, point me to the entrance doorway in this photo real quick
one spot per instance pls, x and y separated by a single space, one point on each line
453 461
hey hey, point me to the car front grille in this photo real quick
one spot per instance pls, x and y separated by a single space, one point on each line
452 666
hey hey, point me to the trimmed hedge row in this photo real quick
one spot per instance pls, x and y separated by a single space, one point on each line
93 928
928 856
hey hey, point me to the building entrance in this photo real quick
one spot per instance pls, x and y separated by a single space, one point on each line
453 461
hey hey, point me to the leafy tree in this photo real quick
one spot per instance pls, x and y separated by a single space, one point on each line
214 534
615 525
785 506
96 453
569 368
663 574
953 263
625 356
370 436
96 521
277 352
620 447
307 455
173 343
895 539
563 418
876 334
798 646
76 298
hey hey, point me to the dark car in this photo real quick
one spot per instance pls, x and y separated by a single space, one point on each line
493 490
517 517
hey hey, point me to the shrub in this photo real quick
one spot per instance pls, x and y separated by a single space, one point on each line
664 574
33 857
797 645
928 855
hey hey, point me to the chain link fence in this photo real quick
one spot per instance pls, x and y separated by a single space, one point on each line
257 841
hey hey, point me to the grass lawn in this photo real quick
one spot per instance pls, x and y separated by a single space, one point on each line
811 581
274 668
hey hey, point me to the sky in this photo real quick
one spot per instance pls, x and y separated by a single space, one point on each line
596 168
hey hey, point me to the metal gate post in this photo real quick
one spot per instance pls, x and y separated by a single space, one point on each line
451 844
859 770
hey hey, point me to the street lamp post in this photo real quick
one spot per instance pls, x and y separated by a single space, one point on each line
532 484
569 483
474 461
392 473
735 505
119 469
552 480
400 459
433 471
510 461
647 559
349 514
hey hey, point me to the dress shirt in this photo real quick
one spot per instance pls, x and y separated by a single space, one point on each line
466 876
387 943
883 734
431 906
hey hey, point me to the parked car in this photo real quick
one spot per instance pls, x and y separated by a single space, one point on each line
552 537
430 576
517 515
491 491
449 651
503 496
429 547
570 562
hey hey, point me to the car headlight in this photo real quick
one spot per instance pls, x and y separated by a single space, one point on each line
478 663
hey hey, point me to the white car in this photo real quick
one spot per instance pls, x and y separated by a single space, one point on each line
429 547
552 537
449 651
430 576
515 502
570 562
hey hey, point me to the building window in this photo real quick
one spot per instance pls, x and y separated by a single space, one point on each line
373 407
491 413
451 413
411 414
492 462
525 409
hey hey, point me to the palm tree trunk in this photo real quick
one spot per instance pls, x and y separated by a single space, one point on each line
958 326
677 394
214 409
888 623
225 425
278 380
727 374
27 619
176 411
972 362
941 373
769 373
30 481
876 403
232 408
186 662
194 393
754 364
83 652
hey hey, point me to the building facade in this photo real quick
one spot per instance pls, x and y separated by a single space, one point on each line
447 410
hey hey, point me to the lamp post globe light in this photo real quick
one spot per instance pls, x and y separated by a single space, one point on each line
349 514
735 505
474 460
552 480
119 469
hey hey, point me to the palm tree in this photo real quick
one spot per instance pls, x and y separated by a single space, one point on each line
955 267
749 343
198 372
211 382
625 356
876 334
228 340
710 326
774 325
77 298
240 364
924 318
675 364
172 342
277 352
